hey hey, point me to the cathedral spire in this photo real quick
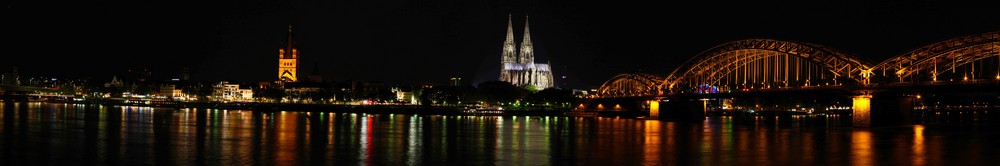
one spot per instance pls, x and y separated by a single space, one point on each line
527 51
509 55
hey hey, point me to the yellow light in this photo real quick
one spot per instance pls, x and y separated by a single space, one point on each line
654 109
919 156
862 147
861 114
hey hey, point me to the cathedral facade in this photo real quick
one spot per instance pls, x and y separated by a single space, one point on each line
518 67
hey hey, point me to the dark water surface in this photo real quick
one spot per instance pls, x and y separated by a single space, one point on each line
49 134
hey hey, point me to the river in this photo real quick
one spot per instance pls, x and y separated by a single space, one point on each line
54 133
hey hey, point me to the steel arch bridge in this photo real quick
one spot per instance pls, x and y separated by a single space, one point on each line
769 64
631 85
709 67
954 55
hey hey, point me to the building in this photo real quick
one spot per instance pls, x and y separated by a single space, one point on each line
518 66
171 91
455 81
11 77
224 91
315 76
404 94
288 60
115 82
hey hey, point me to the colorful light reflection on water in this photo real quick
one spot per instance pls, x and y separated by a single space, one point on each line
42 134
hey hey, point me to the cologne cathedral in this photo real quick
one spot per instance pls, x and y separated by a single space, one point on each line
518 67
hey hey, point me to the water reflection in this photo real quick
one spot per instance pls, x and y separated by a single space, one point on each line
861 148
41 134
919 154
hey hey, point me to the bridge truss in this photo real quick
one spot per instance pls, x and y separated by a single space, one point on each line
765 63
972 57
768 64
631 85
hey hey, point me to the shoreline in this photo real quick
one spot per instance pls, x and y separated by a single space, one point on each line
340 108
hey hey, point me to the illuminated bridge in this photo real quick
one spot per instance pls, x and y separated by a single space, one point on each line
789 70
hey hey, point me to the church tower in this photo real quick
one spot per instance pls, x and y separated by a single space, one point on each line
288 60
527 49
508 56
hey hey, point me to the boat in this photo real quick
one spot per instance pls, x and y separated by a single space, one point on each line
480 110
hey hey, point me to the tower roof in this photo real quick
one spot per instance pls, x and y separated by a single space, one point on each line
510 31
527 33
289 44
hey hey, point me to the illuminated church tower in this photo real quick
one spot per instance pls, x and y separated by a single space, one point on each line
508 57
288 60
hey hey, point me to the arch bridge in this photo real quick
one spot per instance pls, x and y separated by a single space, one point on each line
767 71
631 85
766 64
763 64
965 59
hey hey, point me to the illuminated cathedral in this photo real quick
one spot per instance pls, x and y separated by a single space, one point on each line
518 67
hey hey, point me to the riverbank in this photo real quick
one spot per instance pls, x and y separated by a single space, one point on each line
344 108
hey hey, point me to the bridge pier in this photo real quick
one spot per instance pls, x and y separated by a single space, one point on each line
861 114
683 109
882 110
654 109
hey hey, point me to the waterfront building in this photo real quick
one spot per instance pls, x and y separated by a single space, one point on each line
404 94
518 67
171 91
224 91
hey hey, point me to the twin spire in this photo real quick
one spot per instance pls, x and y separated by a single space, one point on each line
526 54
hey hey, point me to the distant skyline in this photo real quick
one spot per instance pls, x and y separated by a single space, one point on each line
413 42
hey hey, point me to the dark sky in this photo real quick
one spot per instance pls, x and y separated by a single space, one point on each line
431 41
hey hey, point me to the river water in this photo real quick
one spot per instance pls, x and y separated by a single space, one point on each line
50 134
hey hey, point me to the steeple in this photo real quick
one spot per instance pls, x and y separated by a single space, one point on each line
527 51
289 46
509 55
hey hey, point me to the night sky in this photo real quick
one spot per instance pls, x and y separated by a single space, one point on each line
413 42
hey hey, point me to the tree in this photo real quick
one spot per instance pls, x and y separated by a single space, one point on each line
67 90
499 92
552 95
273 93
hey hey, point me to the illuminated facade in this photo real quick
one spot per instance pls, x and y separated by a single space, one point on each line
288 60
224 91
171 91
518 66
